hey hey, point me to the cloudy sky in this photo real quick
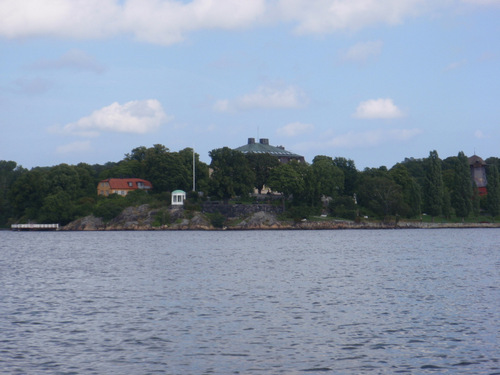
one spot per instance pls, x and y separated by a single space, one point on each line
370 80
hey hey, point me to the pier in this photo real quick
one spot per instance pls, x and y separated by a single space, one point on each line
34 227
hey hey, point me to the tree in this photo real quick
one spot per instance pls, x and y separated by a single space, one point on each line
9 172
446 209
201 169
166 170
262 165
64 177
493 188
433 186
57 208
328 178
410 189
462 188
232 175
28 192
348 167
287 180
381 195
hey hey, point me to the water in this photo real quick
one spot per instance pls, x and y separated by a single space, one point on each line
256 302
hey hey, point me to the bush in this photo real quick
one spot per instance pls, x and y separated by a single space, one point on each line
161 218
110 207
138 197
343 207
298 213
217 219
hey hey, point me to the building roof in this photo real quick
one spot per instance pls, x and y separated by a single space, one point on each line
476 161
263 147
128 183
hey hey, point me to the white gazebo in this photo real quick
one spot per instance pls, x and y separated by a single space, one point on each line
178 197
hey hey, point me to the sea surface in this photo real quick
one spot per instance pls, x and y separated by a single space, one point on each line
251 302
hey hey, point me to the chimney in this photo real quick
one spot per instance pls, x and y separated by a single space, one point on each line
251 141
264 141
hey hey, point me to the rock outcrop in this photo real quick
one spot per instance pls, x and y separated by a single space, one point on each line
259 220
86 223
146 218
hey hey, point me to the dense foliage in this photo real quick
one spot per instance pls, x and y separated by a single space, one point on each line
439 188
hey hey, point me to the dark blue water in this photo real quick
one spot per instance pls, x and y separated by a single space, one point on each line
256 302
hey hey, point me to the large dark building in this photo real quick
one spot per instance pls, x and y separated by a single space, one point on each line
263 147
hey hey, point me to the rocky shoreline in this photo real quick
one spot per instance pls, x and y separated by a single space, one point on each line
146 219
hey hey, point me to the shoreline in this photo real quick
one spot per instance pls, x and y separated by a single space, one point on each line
310 225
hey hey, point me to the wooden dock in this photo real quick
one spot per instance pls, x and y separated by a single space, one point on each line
33 227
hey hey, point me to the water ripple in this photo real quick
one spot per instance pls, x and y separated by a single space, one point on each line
343 302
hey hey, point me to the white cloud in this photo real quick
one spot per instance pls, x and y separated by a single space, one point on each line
154 21
478 134
361 52
378 109
222 106
73 59
272 97
267 97
61 18
31 86
81 146
321 16
482 2
141 116
370 138
294 129
455 65
169 21
166 22
373 138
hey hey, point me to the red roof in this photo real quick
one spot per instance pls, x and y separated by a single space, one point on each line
128 183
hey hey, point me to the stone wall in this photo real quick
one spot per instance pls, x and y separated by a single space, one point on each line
239 210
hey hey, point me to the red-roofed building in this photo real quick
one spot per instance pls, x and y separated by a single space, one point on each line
122 186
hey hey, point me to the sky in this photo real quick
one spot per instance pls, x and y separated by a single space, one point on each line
375 81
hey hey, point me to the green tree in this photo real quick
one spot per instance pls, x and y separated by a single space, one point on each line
288 180
351 174
381 195
412 196
64 177
447 210
9 172
57 207
166 170
328 179
137 154
493 188
262 165
232 175
201 169
462 188
433 186
28 192
416 169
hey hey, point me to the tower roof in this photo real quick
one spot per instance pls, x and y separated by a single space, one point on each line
476 161
263 147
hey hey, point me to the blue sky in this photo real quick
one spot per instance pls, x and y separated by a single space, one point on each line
370 80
